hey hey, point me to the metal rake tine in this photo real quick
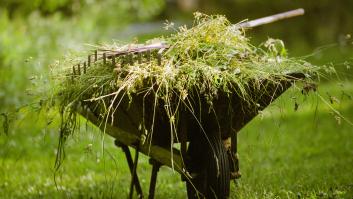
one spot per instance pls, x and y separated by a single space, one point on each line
79 69
148 55
73 70
123 60
130 59
159 59
104 58
84 67
95 55
139 58
113 59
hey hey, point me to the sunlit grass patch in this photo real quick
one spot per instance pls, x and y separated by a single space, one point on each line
290 154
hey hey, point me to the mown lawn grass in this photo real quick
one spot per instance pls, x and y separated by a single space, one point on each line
284 153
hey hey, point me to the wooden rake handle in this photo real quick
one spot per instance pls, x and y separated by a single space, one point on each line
271 19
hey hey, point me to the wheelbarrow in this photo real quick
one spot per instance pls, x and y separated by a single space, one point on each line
207 155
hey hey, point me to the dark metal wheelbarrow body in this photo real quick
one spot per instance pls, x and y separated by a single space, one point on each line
136 119
227 113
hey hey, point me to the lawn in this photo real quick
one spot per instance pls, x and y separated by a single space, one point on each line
307 153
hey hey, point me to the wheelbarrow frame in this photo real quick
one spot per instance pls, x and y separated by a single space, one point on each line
126 132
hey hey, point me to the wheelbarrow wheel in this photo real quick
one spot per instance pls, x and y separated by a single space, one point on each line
211 175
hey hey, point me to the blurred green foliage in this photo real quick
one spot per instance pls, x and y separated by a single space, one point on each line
33 34
36 33
141 8
45 7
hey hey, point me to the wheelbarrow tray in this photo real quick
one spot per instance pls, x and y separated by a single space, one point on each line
229 114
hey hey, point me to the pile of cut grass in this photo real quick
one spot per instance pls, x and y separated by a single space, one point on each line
212 57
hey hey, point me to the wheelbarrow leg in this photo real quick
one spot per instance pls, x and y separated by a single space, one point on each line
131 167
233 157
134 174
155 168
